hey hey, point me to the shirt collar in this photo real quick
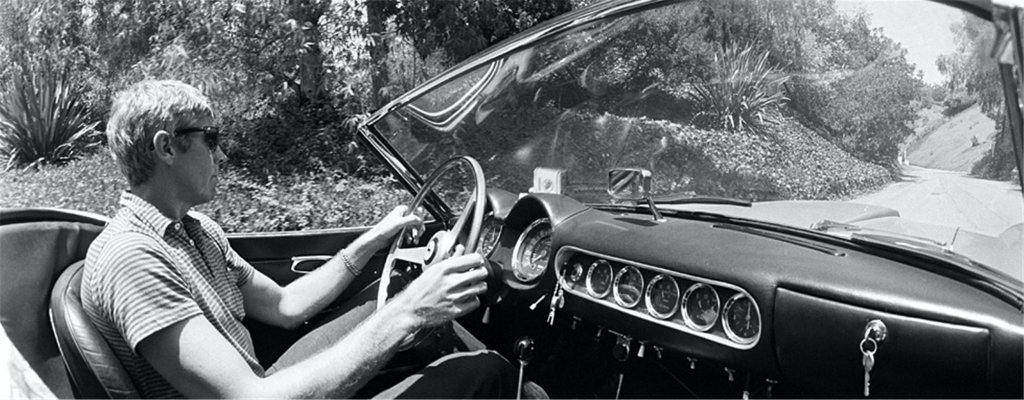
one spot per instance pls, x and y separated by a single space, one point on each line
148 214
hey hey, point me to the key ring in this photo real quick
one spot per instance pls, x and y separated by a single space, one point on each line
874 346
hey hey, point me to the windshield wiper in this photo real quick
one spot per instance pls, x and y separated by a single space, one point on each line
832 226
992 281
683 198
987 279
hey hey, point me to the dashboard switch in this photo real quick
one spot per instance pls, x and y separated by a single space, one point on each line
621 349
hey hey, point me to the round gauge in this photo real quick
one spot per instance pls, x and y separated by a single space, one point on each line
700 306
533 249
629 284
599 279
662 297
489 235
742 320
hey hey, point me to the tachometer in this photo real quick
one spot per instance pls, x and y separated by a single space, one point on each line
629 284
532 252
489 235
599 279
742 319
700 306
662 297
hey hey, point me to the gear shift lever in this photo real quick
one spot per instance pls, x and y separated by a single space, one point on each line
523 350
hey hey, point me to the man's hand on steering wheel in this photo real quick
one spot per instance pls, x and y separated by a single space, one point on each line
383 233
446 290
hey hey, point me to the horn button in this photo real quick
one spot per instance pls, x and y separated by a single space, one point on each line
439 248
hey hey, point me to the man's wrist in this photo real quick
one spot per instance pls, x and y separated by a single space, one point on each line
401 316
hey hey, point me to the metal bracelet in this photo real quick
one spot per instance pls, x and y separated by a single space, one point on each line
349 265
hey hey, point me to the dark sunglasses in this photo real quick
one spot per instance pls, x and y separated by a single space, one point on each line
210 133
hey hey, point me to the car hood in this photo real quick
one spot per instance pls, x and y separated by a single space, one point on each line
996 252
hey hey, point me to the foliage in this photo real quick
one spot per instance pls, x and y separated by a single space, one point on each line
464 27
971 70
301 139
957 102
872 111
742 92
94 184
302 202
43 120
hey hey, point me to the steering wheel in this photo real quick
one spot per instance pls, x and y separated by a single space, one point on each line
439 247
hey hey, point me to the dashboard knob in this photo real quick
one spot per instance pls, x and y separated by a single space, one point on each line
523 349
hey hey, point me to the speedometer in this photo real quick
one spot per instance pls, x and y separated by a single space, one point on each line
533 249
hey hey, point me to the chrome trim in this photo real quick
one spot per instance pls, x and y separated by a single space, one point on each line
566 251
590 273
405 174
615 286
301 259
725 319
517 262
686 315
647 297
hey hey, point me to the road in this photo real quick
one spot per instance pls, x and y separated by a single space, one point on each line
954 199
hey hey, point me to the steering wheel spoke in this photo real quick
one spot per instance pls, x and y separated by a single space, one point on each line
413 255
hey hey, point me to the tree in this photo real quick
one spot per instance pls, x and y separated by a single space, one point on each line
464 27
973 71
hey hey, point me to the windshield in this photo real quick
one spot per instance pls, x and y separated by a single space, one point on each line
891 104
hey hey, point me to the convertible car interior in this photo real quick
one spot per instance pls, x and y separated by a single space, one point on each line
614 272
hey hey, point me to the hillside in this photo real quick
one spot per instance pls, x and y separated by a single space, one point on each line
950 146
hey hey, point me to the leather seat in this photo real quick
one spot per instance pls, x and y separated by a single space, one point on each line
94 370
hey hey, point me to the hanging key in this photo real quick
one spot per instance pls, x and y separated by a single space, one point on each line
556 303
868 346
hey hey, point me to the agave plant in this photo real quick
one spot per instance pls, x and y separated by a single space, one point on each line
43 120
742 92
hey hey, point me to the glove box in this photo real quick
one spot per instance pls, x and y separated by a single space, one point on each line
918 358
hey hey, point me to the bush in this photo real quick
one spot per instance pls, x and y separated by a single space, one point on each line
956 103
302 202
296 139
742 91
43 120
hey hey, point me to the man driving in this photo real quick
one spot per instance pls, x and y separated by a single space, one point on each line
169 294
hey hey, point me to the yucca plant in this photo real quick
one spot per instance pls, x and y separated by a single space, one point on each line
742 92
43 120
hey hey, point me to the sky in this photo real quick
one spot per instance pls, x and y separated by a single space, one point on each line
922 27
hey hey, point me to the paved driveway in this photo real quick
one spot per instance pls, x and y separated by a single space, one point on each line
953 198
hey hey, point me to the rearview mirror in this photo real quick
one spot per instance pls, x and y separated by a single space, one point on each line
629 183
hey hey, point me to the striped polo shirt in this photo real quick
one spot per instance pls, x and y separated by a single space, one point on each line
146 272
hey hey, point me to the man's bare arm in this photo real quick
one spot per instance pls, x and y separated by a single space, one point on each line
300 300
199 361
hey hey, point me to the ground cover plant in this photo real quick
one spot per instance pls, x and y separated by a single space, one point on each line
94 184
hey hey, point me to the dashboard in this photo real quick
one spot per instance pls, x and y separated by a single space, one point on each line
785 308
